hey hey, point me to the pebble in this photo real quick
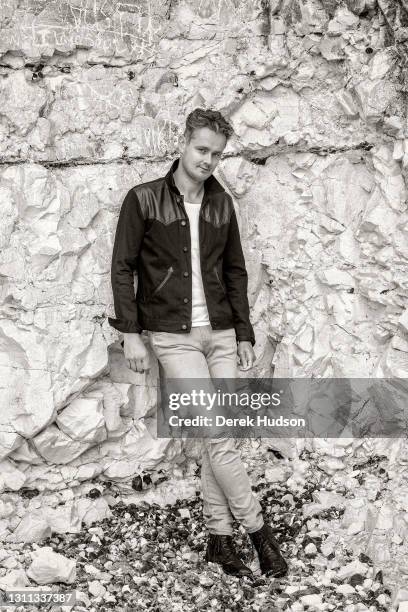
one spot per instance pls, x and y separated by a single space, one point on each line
291 588
109 598
49 567
310 549
157 554
96 588
184 513
314 601
345 589
206 580
276 473
9 563
190 556
354 567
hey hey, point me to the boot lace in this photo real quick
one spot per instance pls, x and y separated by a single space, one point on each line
223 544
267 545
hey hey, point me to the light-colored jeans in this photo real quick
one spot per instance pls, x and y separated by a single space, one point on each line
207 353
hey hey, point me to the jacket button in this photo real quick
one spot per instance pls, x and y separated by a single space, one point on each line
184 326
185 273
185 249
185 300
183 223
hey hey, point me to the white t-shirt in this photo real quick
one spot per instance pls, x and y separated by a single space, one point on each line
199 305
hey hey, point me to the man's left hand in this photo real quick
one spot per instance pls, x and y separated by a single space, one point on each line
246 355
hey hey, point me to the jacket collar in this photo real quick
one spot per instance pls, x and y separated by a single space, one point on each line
211 185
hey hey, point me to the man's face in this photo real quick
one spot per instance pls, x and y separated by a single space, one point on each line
201 155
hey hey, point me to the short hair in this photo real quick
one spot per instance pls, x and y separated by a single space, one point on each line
211 119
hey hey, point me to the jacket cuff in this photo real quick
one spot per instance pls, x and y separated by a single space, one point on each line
243 337
125 326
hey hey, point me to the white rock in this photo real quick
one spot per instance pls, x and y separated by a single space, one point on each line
297 607
109 598
14 580
328 499
355 513
82 597
26 453
205 580
33 527
277 473
6 509
56 447
291 588
355 527
310 549
323 501
4 529
27 404
184 513
96 588
403 321
64 518
345 589
9 563
9 442
336 277
385 517
12 477
92 510
343 20
314 601
83 420
88 471
328 547
354 567
48 567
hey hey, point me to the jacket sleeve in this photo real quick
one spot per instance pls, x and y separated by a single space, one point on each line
236 280
128 240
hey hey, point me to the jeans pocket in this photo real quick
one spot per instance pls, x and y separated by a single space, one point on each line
157 338
152 337
226 333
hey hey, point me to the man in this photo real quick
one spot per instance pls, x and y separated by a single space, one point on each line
180 234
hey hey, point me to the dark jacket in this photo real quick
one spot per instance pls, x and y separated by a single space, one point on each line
153 239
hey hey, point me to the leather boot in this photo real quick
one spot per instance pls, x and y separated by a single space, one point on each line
220 549
270 559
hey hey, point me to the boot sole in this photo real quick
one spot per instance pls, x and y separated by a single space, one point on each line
276 574
226 570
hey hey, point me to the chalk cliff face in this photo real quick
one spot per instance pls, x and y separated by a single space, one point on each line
93 96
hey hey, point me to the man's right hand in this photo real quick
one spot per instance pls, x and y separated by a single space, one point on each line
136 353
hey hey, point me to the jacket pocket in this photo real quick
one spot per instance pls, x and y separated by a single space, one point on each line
218 279
163 282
